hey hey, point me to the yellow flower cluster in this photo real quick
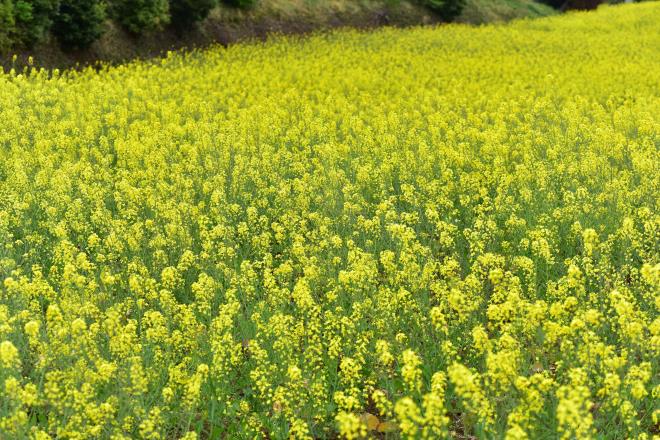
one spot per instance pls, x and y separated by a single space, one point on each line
422 233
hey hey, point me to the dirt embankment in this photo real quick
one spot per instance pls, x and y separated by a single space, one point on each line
118 46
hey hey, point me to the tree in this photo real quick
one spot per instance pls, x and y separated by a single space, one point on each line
447 9
33 19
140 16
79 23
240 3
185 13
7 25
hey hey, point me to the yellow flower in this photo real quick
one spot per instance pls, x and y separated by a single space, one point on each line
350 426
32 329
9 357
411 372
418 233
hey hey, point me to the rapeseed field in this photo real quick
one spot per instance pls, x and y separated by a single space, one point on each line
422 233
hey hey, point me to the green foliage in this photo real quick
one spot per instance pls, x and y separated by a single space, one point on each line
554 3
139 16
185 13
33 19
79 23
240 3
447 9
7 24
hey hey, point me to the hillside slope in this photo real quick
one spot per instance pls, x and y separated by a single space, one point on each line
227 25
493 11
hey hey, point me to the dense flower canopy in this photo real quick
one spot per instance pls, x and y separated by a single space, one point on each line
429 232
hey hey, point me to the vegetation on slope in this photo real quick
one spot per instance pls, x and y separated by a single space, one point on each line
146 28
494 11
